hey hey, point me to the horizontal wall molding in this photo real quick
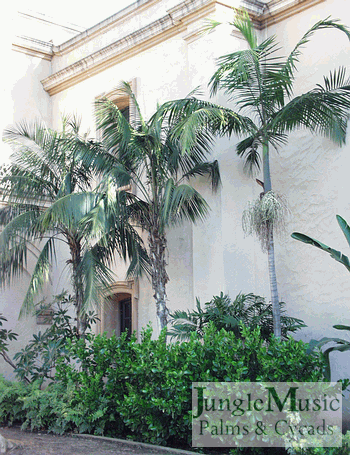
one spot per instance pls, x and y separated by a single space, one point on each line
174 22
33 47
103 27
279 10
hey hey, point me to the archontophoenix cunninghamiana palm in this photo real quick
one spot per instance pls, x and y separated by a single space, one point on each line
259 83
146 154
49 198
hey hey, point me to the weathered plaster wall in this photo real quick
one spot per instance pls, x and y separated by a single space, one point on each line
310 171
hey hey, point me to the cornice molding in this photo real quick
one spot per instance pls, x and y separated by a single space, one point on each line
33 47
278 10
175 22
104 26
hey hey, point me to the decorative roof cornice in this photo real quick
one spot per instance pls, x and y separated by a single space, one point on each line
164 28
103 26
176 21
33 47
279 10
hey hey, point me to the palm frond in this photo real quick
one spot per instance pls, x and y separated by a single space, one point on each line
248 149
68 211
209 169
40 276
323 110
116 130
182 202
96 276
290 65
243 23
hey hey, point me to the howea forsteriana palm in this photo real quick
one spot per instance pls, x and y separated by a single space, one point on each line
259 83
146 154
49 199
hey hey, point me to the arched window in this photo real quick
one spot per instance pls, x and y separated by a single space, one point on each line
118 312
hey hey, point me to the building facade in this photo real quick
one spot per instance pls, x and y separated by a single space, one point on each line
156 46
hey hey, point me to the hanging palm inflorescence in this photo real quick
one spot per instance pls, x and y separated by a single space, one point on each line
259 83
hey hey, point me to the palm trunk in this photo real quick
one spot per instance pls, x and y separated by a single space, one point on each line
276 311
78 287
157 245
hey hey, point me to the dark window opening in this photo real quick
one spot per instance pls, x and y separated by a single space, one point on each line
125 316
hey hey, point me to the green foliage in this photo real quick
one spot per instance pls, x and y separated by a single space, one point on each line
11 409
50 196
259 81
5 336
37 360
344 450
341 345
118 387
249 309
146 154
335 254
144 389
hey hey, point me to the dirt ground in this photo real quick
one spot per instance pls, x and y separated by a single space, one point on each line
47 444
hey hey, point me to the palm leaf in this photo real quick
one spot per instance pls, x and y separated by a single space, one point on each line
290 65
68 211
182 202
323 110
40 276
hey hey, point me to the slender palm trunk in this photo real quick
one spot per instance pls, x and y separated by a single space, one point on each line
78 287
276 311
157 245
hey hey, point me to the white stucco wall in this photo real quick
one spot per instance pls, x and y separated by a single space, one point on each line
310 171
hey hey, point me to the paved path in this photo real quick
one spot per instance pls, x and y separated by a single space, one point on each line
47 444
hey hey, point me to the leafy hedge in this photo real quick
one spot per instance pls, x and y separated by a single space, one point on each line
119 387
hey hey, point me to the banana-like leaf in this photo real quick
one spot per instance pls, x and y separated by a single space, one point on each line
342 327
344 227
335 254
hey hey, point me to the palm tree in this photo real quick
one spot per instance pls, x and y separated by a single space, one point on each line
247 309
260 84
48 198
146 154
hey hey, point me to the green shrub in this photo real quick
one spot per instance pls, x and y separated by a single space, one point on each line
248 309
344 450
37 360
143 391
11 407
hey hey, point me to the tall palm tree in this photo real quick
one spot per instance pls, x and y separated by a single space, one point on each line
48 196
146 154
259 83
